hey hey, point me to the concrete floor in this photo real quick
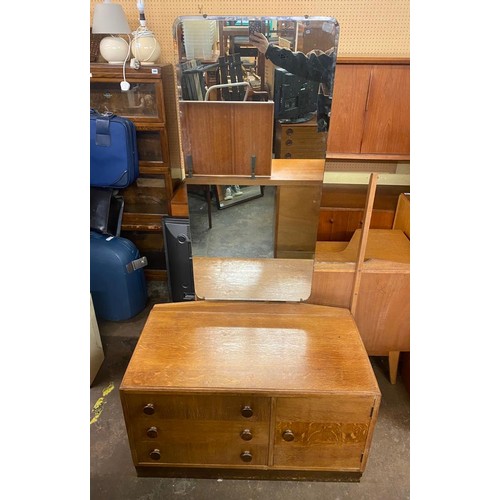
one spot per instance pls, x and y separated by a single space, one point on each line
112 474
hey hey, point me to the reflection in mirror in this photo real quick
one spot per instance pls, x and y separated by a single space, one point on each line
242 226
253 89
287 60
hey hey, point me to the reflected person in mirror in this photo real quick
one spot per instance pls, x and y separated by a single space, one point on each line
317 66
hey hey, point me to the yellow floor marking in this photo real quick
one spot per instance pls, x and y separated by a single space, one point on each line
98 406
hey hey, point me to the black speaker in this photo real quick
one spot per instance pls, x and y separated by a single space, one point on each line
178 255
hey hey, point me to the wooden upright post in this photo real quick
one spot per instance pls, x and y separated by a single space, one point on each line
372 187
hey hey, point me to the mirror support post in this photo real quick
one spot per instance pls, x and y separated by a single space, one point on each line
370 198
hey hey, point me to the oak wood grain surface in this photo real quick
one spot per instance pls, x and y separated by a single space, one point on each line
219 278
268 348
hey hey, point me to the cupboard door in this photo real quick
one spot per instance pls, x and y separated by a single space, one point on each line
348 108
221 137
387 119
322 432
339 224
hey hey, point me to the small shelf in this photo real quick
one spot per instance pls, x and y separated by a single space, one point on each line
367 157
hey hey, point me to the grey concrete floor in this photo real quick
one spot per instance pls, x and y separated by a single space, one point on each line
245 229
112 474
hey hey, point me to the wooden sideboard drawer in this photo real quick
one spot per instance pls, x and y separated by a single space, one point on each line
212 407
202 431
299 140
301 153
322 432
204 443
206 429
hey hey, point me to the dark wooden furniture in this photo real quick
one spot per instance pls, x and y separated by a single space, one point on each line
250 390
370 117
299 140
149 198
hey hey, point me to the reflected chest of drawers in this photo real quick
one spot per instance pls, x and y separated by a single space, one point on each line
250 390
299 140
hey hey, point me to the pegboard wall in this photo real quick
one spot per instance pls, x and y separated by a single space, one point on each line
368 28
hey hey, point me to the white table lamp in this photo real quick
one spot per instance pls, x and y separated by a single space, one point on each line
110 19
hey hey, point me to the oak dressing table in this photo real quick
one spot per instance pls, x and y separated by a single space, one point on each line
249 381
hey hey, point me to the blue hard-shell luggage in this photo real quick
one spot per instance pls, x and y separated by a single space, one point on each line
117 281
114 159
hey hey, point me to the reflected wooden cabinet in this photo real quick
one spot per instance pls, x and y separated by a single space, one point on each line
227 138
339 224
342 209
149 198
370 116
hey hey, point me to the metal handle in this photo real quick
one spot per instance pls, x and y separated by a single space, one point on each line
224 85
137 264
288 435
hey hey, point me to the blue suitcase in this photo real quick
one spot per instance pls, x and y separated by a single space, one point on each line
114 159
117 281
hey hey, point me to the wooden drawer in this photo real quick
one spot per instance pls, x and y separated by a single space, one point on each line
195 407
202 442
322 432
299 141
304 153
198 429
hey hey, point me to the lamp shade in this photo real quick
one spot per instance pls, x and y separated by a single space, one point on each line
110 19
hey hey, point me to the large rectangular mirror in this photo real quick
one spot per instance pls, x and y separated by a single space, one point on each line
253 91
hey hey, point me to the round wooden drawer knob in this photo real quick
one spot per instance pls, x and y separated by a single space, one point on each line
288 435
246 456
246 435
152 432
288 155
289 142
155 454
149 409
289 131
246 412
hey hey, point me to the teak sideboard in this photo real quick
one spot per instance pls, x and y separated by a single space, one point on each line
250 390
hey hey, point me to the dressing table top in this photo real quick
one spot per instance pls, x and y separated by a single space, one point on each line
256 347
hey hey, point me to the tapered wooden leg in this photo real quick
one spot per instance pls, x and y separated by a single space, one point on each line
393 365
